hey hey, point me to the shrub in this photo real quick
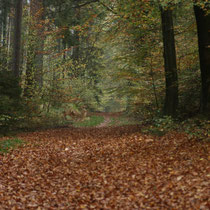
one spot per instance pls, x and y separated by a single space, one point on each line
161 125
10 101
198 128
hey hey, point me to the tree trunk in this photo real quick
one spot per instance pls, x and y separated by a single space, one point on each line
17 38
9 30
0 28
171 97
203 30
4 24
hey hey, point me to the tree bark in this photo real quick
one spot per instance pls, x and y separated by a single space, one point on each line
17 38
4 16
0 32
171 97
203 31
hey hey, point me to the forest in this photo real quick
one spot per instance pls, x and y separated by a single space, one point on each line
147 59
89 87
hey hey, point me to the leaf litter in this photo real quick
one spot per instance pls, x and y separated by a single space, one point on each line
105 168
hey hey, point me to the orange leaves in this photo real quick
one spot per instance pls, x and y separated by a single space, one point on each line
105 168
94 15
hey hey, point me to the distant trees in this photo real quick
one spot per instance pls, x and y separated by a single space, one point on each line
45 56
6 28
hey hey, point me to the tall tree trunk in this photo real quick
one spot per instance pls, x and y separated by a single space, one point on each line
9 30
171 97
0 32
17 38
203 30
4 24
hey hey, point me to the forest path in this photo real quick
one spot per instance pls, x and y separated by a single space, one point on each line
108 117
105 168
106 122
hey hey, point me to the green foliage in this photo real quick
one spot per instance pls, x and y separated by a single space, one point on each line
52 119
9 85
4 59
189 99
160 126
122 120
197 127
10 101
91 121
7 145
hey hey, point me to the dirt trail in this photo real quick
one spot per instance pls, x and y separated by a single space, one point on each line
107 118
105 168
106 122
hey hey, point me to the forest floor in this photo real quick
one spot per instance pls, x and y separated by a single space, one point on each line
105 167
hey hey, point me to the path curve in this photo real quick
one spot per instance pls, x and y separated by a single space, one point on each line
106 122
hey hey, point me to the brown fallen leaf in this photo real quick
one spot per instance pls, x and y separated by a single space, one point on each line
107 168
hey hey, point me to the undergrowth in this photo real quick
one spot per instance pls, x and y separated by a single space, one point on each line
8 144
121 120
91 121
195 127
